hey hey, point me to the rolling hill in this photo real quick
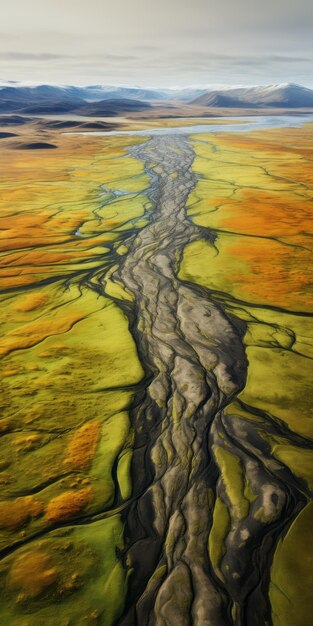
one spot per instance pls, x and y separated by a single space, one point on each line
104 100
52 99
286 95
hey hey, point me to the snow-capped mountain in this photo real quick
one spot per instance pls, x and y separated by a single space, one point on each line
286 95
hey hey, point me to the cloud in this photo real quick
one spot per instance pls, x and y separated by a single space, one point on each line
31 56
155 43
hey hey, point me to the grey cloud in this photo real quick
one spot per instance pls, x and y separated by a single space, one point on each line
155 43
29 56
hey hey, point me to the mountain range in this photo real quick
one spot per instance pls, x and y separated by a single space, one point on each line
103 100
52 99
283 95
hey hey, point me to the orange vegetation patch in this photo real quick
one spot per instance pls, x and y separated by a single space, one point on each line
45 257
32 574
10 370
82 446
19 281
30 302
272 206
24 221
33 333
296 141
276 274
46 200
35 227
15 514
14 243
266 213
68 505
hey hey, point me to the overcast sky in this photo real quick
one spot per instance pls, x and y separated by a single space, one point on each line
157 42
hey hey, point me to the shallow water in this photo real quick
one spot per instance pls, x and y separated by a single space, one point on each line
258 122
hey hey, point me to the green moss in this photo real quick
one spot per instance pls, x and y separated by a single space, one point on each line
134 224
115 432
115 289
278 382
201 265
292 574
267 335
70 362
218 534
96 358
122 249
232 476
121 211
236 409
123 473
248 492
90 582
299 460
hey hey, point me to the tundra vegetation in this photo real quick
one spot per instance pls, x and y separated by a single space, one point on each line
156 442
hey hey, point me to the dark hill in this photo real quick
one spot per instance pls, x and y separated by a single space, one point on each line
37 145
108 108
4 135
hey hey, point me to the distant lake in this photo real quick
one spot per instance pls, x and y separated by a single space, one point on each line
257 122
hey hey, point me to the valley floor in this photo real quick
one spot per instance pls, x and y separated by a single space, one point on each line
156 437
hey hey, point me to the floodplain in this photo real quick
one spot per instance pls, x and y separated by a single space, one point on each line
138 275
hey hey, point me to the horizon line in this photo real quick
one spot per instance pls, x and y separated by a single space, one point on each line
30 83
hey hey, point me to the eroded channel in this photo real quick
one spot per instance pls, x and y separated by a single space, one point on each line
194 357
150 463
